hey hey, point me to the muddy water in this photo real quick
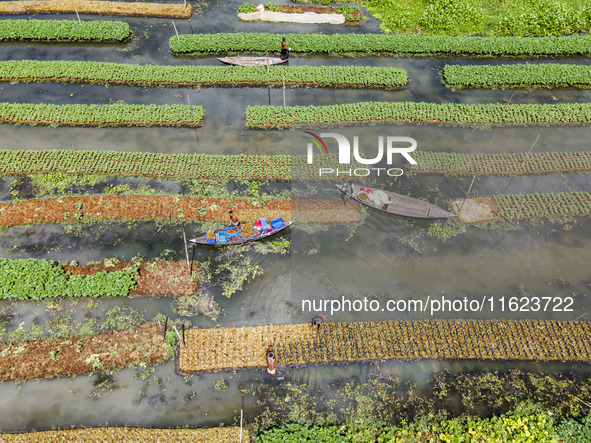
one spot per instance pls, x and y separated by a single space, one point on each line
386 258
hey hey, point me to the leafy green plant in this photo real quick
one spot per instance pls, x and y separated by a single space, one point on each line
367 44
33 279
547 75
64 30
246 8
17 71
101 115
267 117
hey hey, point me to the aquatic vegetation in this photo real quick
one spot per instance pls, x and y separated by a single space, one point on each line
112 115
456 163
535 206
277 117
61 165
365 44
62 30
221 434
33 279
97 7
546 75
62 357
299 344
32 71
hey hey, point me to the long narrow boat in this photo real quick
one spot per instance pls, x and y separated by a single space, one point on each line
393 203
251 61
246 233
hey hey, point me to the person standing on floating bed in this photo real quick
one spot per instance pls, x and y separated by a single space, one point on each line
285 49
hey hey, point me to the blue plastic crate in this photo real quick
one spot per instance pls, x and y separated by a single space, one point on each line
210 241
222 237
278 223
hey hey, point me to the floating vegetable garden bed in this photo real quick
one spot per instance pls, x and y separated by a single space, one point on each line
527 206
348 14
62 30
232 348
222 434
164 207
34 279
366 44
500 164
548 75
277 117
101 115
97 7
17 71
64 357
166 166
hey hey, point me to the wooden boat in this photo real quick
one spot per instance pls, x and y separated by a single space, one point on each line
251 61
393 203
247 233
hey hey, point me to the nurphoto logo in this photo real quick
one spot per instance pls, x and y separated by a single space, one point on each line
394 145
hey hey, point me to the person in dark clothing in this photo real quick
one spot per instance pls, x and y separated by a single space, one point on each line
285 49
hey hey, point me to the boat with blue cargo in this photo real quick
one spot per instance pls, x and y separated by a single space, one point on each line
244 233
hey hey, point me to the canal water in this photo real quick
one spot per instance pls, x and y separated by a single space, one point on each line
385 258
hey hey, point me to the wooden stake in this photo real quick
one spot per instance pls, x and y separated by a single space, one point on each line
241 417
76 9
469 189
283 92
267 49
187 253
519 212
183 326
178 334
177 32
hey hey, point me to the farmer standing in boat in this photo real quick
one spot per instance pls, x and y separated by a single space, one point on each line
285 49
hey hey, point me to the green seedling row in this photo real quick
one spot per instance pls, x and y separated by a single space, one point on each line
101 115
454 163
364 44
543 206
277 117
547 75
64 30
18 71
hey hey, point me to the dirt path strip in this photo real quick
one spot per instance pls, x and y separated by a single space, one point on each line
98 8
297 344
127 434
153 207
63 357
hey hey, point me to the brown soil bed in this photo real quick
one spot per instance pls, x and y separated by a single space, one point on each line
151 207
221 434
97 7
476 210
159 278
63 357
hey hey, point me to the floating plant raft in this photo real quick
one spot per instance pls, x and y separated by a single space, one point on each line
63 357
202 435
298 344
97 7
98 208
523 207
